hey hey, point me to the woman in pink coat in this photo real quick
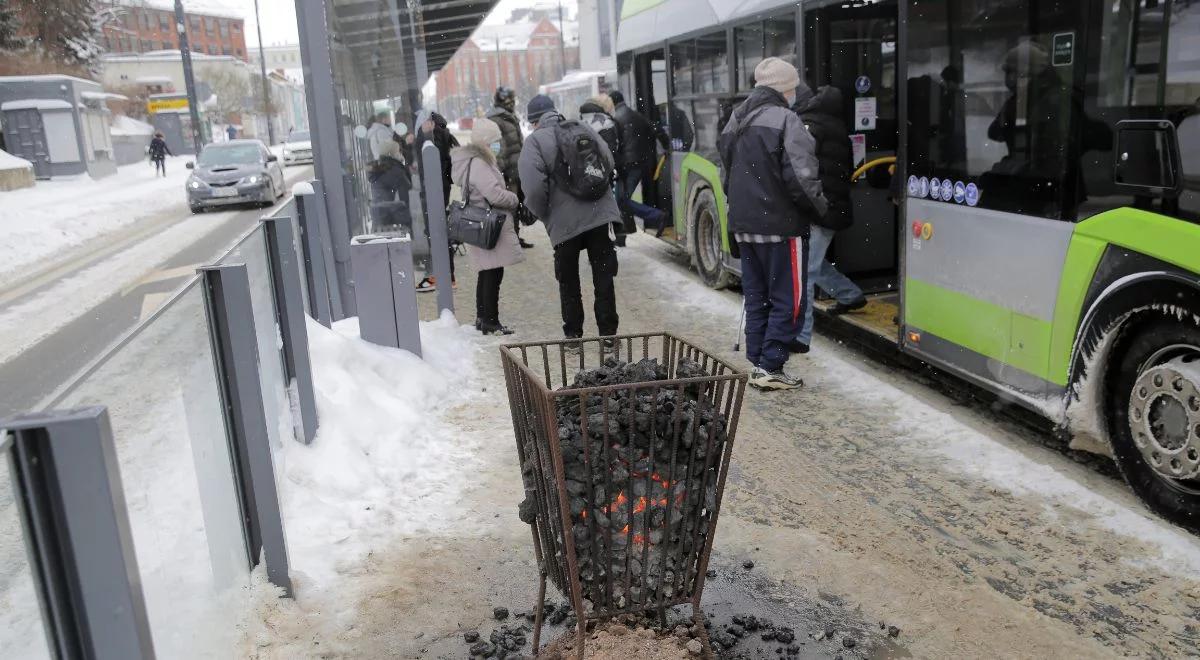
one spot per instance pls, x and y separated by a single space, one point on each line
487 187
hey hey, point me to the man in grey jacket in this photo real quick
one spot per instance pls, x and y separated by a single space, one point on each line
574 224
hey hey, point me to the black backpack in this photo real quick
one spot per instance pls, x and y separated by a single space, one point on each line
582 169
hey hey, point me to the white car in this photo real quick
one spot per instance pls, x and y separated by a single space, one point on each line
297 148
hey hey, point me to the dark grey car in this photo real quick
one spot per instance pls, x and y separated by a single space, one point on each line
234 172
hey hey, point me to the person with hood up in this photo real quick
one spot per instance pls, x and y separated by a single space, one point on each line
770 173
390 184
379 133
158 154
504 114
433 127
474 168
638 158
574 224
822 115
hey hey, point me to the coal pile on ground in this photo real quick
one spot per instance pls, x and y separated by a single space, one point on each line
641 467
628 639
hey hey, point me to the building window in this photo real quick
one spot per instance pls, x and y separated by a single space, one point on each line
237 51
212 50
605 28
145 19
164 21
166 45
147 45
225 50
223 29
235 27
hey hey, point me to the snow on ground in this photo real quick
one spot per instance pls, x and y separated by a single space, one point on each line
925 429
71 297
383 465
56 215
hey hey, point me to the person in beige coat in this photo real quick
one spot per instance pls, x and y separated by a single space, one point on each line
487 188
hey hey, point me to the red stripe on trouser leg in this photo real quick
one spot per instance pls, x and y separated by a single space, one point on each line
796 281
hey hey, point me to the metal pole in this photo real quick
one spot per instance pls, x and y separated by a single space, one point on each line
562 41
262 61
185 54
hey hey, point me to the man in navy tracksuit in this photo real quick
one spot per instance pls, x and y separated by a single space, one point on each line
771 179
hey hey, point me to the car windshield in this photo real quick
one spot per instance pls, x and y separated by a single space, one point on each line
298 136
230 154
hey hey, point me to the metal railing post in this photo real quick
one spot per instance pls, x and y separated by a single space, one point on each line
384 286
312 241
336 273
235 347
435 217
68 489
289 314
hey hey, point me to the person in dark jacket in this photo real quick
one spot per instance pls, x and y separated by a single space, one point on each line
433 128
770 175
390 184
158 154
574 224
504 115
596 112
822 115
638 158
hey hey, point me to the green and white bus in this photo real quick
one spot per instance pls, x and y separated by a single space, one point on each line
1041 236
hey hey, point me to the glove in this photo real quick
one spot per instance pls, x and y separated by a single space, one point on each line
525 216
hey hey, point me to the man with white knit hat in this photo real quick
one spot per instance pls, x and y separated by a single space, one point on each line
770 177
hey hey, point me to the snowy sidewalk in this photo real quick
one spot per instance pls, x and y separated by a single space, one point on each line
865 497
47 222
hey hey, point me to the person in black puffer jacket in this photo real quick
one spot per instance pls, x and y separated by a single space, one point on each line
511 141
638 158
390 185
822 113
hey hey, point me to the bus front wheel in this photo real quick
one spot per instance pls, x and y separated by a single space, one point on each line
1154 397
707 249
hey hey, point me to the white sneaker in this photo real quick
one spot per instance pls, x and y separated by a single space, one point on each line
773 380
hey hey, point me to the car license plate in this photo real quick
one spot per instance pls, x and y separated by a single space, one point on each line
225 192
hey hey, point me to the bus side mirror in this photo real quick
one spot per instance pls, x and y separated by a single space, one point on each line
1147 158
190 165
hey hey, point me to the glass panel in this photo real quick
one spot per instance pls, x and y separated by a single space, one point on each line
22 634
680 123
780 34
749 40
992 101
253 252
712 64
683 65
707 113
176 471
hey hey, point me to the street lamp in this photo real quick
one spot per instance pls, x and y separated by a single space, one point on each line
189 81
266 85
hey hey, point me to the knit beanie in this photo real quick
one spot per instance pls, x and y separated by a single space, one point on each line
485 132
776 74
538 106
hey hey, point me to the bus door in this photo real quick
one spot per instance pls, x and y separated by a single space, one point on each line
650 87
853 48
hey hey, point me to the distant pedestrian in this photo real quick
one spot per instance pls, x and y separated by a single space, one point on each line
822 115
231 132
390 184
432 127
566 171
477 163
770 174
504 114
158 154
638 159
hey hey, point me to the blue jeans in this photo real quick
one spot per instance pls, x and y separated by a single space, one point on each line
822 274
773 284
625 188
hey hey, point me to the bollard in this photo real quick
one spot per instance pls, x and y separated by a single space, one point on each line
384 290
316 279
338 306
435 219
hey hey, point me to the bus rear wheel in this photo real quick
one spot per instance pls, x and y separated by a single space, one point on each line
1154 396
707 249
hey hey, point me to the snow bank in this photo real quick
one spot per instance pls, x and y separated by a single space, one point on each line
303 188
122 125
11 162
383 465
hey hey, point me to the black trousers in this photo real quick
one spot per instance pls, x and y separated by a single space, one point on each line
602 255
487 295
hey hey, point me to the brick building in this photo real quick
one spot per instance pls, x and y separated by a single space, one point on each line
521 55
142 27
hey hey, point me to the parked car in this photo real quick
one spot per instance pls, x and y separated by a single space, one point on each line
297 148
234 172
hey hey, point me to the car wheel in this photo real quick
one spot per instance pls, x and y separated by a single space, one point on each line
196 208
271 197
707 250
1153 393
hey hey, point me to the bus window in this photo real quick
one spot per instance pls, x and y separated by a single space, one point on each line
683 63
1128 79
993 102
680 121
780 35
712 64
749 40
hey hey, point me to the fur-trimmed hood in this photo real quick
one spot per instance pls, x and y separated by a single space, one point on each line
471 150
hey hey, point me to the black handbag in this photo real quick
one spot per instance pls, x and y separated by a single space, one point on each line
473 225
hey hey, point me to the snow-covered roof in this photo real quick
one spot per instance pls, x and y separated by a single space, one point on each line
162 56
122 125
36 104
516 36
11 162
103 96
49 77
220 8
